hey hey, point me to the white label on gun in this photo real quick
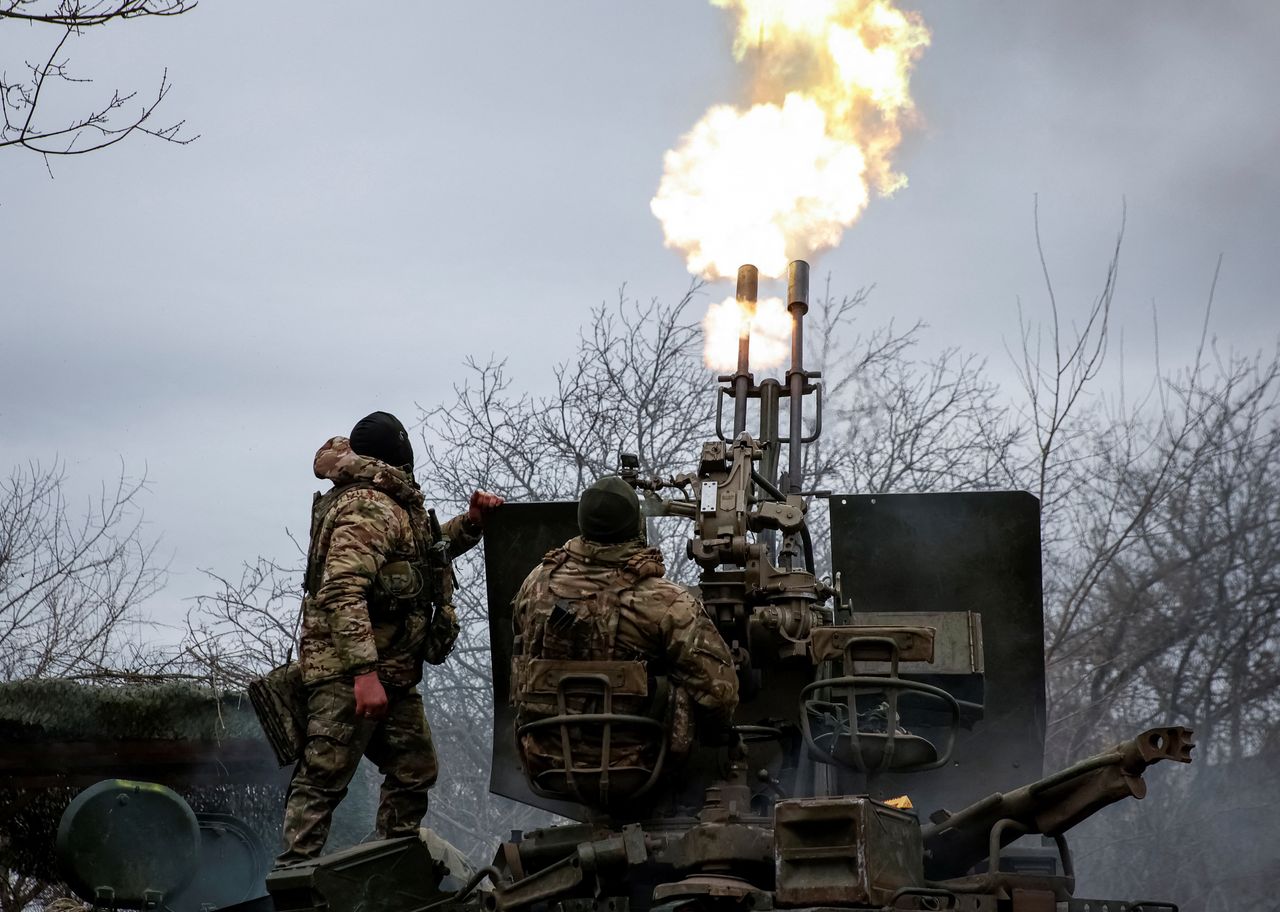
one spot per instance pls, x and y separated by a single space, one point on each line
707 496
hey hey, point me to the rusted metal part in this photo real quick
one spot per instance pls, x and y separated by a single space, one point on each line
729 799
582 871
1002 884
509 856
957 641
635 846
538 849
1000 887
563 879
1024 900
358 878
721 847
872 643
713 886
1052 805
844 850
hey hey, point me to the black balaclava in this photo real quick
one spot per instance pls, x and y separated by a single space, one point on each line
609 511
382 436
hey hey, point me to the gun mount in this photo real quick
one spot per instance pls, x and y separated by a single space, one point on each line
849 696
764 594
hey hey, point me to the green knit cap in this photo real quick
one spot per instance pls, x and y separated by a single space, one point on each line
609 511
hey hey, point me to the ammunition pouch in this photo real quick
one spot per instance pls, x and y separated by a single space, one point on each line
400 579
279 700
441 634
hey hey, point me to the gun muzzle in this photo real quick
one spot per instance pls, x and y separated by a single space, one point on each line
748 294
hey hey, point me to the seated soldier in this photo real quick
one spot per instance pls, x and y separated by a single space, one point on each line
602 597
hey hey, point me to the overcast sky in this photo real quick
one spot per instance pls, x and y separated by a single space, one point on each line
381 190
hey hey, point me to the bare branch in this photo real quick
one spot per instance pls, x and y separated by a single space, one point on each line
108 121
69 586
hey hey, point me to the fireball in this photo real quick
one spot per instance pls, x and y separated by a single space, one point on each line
783 178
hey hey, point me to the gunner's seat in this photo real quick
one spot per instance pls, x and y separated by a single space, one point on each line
591 731
851 720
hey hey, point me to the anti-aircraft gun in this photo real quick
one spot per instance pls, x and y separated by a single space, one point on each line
911 678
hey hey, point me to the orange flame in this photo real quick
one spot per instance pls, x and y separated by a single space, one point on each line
783 178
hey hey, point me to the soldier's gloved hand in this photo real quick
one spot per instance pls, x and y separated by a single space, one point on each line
371 699
482 502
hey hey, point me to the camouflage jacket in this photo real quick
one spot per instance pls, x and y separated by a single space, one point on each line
636 615
349 624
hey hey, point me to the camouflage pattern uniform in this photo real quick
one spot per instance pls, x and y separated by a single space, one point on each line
352 624
621 608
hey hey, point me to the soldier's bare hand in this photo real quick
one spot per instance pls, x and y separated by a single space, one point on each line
482 502
371 698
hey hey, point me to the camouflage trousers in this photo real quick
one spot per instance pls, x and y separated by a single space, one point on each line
399 743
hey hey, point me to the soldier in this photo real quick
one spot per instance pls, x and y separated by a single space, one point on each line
602 596
376 607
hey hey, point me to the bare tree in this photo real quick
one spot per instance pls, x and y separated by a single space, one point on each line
27 86
629 384
1184 626
69 584
895 422
1161 522
1160 534
1177 615
70 587
245 627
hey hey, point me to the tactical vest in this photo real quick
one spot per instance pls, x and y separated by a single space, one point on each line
571 624
404 580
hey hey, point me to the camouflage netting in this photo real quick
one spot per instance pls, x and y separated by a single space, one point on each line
60 710
57 710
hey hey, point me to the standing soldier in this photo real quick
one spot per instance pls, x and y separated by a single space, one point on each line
378 604
602 596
